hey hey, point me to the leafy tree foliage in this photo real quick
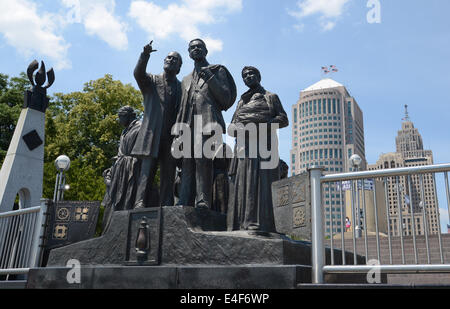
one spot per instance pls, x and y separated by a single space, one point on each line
83 125
11 101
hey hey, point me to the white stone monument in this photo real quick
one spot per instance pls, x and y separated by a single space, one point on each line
23 168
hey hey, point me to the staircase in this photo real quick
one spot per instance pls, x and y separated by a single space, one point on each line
409 255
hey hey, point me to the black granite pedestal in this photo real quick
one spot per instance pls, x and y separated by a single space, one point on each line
190 248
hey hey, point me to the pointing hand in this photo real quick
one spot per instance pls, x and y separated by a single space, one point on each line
148 49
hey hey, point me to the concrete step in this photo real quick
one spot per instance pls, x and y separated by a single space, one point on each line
444 240
420 279
303 286
374 244
17 284
386 248
420 250
396 240
394 247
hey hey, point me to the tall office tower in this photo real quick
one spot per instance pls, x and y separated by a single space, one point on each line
408 191
328 128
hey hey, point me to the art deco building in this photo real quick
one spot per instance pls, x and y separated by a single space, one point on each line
408 191
327 129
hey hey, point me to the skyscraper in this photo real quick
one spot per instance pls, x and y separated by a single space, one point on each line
407 191
328 129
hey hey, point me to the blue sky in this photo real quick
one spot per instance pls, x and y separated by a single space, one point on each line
404 59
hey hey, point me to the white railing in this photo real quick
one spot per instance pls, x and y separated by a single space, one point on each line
399 211
21 239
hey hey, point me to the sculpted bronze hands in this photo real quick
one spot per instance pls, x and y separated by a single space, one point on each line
148 49
205 73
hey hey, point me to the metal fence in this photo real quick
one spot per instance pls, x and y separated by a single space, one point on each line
407 188
21 236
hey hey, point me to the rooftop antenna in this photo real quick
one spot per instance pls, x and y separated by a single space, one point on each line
406 114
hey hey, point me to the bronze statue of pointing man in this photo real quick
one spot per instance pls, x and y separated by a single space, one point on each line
162 97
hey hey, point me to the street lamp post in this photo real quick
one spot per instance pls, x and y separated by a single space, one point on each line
62 164
355 161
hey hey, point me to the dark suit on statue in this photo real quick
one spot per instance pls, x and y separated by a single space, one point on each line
161 103
207 98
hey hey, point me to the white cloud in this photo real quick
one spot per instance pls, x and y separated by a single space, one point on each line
328 25
182 19
99 20
328 10
299 27
31 32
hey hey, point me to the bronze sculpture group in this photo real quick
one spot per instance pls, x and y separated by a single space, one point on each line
240 185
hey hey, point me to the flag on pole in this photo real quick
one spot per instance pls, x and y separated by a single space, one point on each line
325 70
333 68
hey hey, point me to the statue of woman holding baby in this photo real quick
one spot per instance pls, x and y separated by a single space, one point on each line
250 200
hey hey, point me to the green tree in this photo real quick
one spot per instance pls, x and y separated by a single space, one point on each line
11 101
83 125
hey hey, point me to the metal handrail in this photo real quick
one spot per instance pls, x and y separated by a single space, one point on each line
317 239
14 271
20 212
392 269
21 238
317 181
403 171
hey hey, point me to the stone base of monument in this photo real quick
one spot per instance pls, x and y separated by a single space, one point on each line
185 277
184 248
